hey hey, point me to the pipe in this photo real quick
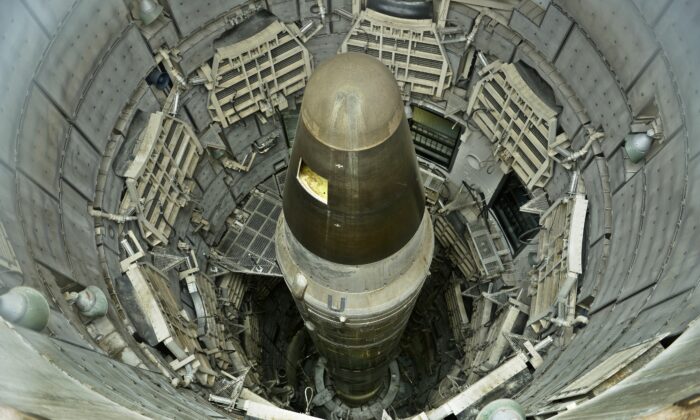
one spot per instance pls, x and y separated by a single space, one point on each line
592 136
472 33
305 28
573 186
344 14
321 11
119 218
176 102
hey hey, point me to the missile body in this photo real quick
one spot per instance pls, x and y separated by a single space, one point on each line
354 242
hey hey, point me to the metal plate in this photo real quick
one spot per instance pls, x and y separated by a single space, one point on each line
616 169
677 31
75 378
651 10
80 164
117 77
669 378
665 190
222 211
683 269
79 234
548 36
214 193
588 75
500 42
14 228
628 209
84 38
585 351
41 142
619 33
656 83
40 216
197 108
606 369
23 41
593 267
190 16
50 14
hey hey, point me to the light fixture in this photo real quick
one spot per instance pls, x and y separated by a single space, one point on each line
26 307
149 10
637 146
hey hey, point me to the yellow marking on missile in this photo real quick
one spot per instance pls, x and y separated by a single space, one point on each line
313 183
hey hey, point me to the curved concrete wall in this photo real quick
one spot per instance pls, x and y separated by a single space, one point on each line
72 79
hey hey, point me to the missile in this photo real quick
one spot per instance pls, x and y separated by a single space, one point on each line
354 241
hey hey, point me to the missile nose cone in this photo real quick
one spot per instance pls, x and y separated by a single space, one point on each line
352 103
353 192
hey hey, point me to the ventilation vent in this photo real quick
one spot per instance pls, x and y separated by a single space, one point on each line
409 47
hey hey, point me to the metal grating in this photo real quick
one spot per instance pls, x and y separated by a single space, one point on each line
8 259
211 331
269 185
538 204
409 47
165 321
249 244
281 178
488 353
518 121
164 261
233 288
256 74
160 177
457 250
457 313
553 253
